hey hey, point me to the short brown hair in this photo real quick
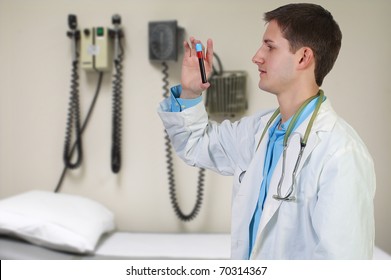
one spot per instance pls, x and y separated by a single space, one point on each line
310 25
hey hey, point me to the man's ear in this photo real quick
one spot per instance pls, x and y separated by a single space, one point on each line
306 57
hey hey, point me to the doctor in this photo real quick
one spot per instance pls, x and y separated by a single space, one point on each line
304 181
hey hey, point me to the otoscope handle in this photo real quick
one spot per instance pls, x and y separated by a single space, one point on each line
117 34
74 34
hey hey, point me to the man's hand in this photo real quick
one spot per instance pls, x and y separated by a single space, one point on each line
192 86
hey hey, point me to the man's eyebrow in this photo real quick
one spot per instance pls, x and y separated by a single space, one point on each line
268 41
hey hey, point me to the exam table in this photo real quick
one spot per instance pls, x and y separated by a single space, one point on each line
141 246
44 225
125 245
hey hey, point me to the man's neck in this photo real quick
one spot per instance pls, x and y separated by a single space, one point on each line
290 102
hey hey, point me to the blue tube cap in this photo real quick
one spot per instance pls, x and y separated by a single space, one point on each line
198 47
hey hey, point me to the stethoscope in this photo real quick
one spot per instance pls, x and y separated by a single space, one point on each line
303 142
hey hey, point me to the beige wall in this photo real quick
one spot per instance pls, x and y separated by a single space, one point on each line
34 92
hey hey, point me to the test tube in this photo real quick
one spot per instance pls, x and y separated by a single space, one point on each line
201 62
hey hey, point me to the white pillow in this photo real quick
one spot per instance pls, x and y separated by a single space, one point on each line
55 220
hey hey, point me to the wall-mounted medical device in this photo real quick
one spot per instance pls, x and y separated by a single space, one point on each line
164 37
226 97
96 49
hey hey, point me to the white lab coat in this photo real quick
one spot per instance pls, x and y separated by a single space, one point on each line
332 216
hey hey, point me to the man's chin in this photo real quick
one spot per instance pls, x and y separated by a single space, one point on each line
264 87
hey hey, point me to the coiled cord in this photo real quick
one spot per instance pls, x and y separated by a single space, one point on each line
170 168
73 120
166 90
83 127
117 114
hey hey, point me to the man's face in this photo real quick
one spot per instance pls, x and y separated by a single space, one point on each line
275 61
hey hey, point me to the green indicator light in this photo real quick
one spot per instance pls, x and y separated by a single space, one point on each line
99 31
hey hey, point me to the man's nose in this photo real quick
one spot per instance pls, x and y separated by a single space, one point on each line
258 57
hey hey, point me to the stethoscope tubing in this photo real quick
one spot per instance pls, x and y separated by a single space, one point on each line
303 142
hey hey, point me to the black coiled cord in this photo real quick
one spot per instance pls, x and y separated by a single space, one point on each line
170 168
73 120
166 90
83 127
117 114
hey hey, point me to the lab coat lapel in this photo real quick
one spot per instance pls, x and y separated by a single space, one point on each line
252 182
245 200
261 151
321 123
313 139
253 179
324 122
